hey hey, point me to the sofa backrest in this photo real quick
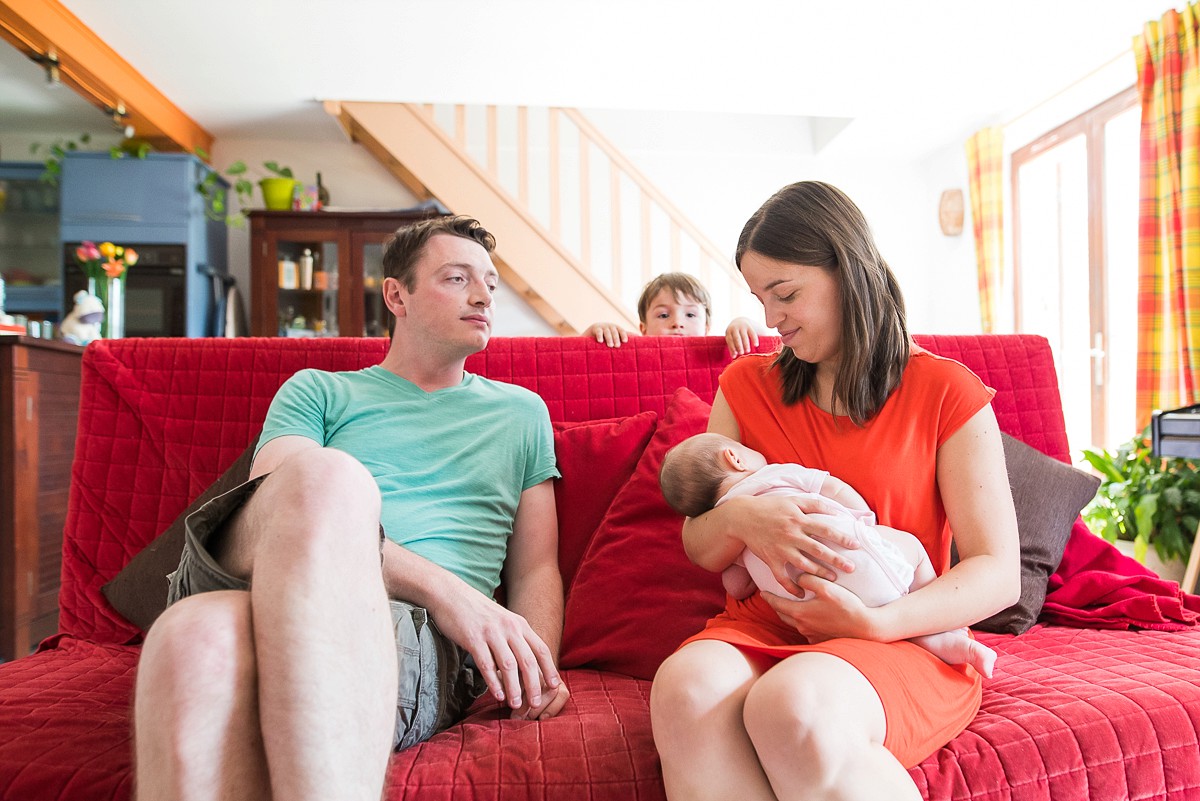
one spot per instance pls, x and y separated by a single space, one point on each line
160 419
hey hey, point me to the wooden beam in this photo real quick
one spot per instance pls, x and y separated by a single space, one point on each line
94 70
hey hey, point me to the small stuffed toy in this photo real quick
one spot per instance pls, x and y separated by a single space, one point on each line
82 325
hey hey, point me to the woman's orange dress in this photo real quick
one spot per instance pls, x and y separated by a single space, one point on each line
892 463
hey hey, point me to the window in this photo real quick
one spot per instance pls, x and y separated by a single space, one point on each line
1075 196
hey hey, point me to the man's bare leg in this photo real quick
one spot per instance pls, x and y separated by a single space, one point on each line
322 642
197 704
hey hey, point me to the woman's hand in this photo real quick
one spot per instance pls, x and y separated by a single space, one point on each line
791 531
832 611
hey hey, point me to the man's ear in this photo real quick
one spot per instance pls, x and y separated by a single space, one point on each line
393 296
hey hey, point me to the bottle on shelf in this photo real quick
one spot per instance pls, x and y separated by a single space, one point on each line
320 277
322 193
287 274
306 269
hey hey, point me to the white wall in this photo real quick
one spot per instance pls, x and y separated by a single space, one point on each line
719 168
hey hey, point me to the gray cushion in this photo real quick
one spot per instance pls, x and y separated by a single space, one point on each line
139 591
1048 496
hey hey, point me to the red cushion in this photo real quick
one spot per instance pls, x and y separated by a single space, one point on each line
596 458
636 595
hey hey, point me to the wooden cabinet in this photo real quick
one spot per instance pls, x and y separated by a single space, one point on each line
320 273
39 411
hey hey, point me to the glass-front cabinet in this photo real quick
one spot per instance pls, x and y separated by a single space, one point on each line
30 257
320 273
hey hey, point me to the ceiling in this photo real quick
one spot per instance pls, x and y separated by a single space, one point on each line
905 73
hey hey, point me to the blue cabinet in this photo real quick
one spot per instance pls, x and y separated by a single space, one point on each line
30 259
150 204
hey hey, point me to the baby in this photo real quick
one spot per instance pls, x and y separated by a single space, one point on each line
705 470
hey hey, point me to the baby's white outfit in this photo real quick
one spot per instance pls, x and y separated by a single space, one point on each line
881 572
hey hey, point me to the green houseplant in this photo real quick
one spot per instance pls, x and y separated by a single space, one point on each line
1145 499
53 154
277 186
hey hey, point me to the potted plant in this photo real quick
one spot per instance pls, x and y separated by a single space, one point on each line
277 186
1145 499
53 153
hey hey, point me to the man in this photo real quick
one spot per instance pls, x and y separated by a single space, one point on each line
275 673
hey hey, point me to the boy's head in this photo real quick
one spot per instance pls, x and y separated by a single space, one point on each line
701 469
674 304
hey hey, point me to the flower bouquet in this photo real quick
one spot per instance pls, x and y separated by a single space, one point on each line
105 266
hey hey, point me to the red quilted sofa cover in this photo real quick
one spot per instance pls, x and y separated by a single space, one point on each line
1073 714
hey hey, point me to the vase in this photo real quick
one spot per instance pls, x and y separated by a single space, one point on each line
277 193
114 314
111 292
99 288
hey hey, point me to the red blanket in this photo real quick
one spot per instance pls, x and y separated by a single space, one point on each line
1096 586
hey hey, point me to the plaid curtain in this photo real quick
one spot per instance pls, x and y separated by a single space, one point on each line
1168 360
985 166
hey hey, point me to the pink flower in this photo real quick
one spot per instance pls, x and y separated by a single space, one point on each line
131 257
87 252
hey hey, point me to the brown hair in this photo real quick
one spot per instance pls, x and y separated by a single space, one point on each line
815 224
403 248
679 284
691 475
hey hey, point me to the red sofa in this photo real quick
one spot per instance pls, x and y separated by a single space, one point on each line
1072 713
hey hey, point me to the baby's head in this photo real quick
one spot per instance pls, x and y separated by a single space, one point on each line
674 304
699 470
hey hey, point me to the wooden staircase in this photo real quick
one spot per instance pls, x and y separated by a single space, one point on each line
551 188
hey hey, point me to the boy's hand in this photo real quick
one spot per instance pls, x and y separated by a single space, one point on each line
609 334
740 337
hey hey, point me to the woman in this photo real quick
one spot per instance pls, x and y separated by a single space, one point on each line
824 698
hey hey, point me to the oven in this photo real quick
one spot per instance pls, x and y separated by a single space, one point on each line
155 289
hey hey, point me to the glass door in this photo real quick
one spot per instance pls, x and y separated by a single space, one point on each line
1075 196
307 287
375 314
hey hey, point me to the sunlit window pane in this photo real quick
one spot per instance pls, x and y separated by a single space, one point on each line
1121 208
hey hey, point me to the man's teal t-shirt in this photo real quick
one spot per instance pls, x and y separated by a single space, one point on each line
451 464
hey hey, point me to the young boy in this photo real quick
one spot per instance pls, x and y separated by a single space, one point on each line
677 305
703 471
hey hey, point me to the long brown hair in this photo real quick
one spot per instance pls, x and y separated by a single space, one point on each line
815 224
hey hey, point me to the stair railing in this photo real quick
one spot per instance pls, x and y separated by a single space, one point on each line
590 198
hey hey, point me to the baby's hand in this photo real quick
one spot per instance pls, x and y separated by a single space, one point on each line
609 334
740 337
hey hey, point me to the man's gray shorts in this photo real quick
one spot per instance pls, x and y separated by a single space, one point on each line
438 680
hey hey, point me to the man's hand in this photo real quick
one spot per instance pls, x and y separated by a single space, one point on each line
553 701
511 657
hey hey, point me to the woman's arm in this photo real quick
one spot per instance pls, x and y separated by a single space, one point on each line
776 529
973 484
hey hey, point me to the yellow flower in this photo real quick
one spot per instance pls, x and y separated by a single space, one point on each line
108 249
